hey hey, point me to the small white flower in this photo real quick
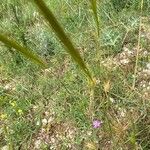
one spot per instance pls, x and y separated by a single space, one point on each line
46 113
53 140
111 99
50 120
148 65
124 61
125 49
8 87
5 147
89 133
37 144
44 122
148 88
145 53
122 112
143 85
38 123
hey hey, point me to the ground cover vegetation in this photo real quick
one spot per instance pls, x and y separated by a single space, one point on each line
81 81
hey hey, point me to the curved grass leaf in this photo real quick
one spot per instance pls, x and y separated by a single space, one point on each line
49 16
25 51
94 8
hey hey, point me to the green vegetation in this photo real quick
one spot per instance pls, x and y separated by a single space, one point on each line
55 106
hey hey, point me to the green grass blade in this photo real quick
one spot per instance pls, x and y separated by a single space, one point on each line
49 16
25 51
94 8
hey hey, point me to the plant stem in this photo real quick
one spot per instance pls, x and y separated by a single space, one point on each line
138 48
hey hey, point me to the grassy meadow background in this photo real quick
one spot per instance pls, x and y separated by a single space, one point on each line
54 108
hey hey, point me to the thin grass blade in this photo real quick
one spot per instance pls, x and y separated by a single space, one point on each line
25 51
54 24
94 8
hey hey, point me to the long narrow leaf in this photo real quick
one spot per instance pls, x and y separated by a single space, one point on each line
25 51
49 16
94 8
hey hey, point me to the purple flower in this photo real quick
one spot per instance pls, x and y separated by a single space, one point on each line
97 124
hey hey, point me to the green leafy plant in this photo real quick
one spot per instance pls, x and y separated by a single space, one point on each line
44 101
70 48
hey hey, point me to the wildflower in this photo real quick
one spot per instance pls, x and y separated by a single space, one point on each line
111 99
44 122
148 66
8 87
124 61
13 104
37 144
3 116
122 112
38 123
96 124
20 112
